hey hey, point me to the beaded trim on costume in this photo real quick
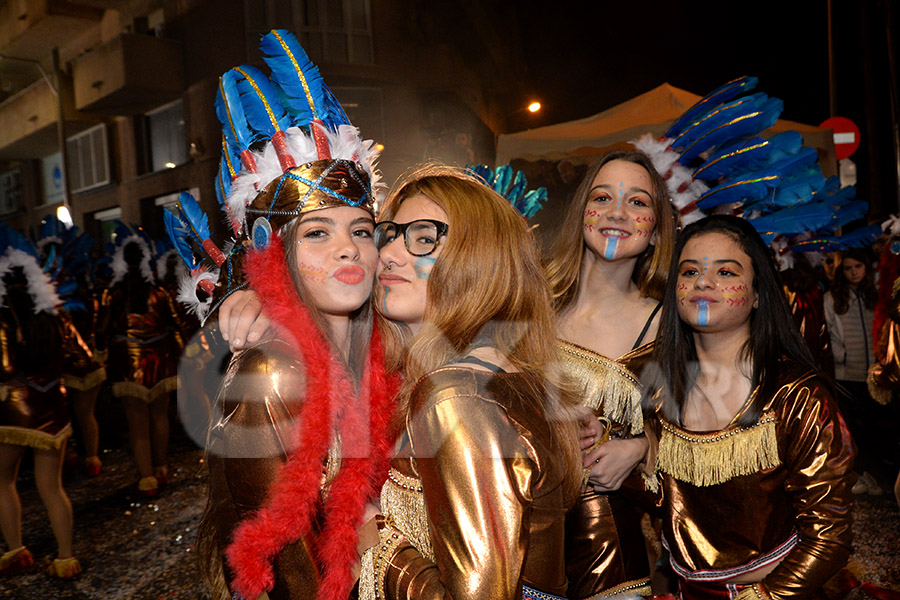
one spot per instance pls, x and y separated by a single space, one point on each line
715 575
533 594
608 385
403 504
630 589
704 459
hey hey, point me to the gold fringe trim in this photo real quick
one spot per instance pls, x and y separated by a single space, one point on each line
88 382
19 436
605 385
130 389
713 458
403 505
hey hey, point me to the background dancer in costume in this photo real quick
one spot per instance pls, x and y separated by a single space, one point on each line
754 457
35 347
607 291
300 439
68 249
488 464
140 330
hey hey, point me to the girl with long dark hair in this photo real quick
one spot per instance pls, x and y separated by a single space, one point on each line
754 457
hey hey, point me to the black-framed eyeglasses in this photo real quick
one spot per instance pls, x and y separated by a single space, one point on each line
421 237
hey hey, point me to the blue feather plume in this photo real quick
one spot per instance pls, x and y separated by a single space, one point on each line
10 238
235 129
511 185
744 156
743 117
305 93
747 188
724 93
193 217
260 99
859 238
180 236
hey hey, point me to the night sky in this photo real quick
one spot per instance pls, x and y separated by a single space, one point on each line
585 57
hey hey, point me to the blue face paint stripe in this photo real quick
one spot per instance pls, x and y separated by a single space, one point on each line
384 300
422 263
621 196
703 313
611 248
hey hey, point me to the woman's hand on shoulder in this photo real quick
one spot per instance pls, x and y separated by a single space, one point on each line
241 320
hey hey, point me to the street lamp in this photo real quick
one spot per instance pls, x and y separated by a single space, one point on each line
534 107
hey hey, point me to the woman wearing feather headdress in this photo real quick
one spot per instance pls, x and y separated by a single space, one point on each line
139 330
754 458
36 345
300 435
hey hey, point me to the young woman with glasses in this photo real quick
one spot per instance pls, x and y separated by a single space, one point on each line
487 461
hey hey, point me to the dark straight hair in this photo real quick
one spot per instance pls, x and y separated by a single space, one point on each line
773 333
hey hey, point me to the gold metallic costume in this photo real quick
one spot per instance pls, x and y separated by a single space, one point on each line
33 407
475 502
884 376
143 348
605 550
250 438
772 496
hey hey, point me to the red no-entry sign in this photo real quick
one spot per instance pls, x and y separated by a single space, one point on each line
846 135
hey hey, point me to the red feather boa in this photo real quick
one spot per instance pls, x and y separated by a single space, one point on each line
363 421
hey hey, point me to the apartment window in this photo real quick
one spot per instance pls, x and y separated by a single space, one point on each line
106 223
88 156
166 137
10 191
329 30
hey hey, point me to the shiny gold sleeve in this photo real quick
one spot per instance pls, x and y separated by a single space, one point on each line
477 471
884 376
819 458
249 441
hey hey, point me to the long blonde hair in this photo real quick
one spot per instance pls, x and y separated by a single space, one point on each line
563 264
486 289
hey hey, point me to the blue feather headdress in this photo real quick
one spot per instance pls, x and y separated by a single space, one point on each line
287 148
714 161
511 185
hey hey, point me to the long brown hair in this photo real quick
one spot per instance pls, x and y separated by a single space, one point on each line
866 290
209 552
563 264
486 289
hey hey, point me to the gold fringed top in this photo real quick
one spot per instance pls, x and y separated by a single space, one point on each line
605 552
712 458
606 386
794 506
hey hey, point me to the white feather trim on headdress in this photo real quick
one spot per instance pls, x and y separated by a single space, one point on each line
187 292
40 287
345 143
47 240
120 267
892 225
683 189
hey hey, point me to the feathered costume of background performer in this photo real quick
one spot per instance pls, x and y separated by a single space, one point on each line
300 438
37 343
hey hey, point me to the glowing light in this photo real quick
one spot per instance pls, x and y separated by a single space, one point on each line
62 213
170 165
534 107
379 147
